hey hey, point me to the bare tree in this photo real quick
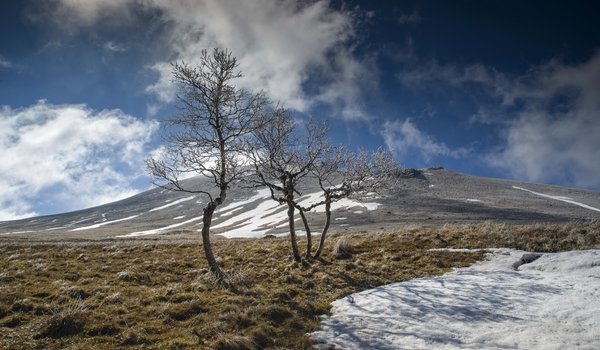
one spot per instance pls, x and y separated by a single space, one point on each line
283 155
343 174
207 136
286 158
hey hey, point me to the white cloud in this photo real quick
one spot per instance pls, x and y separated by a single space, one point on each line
555 137
280 45
566 150
152 109
114 47
407 141
4 63
70 155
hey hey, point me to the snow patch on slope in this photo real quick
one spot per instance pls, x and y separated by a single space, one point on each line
159 230
104 223
173 203
229 213
17 232
256 222
558 198
344 203
268 214
552 303
260 194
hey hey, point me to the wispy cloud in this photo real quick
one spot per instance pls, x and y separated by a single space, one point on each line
410 18
114 47
4 63
152 109
87 13
408 143
421 75
70 155
282 45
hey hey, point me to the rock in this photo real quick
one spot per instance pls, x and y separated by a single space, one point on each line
526 259
410 173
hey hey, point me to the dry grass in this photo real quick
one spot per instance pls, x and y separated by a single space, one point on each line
342 248
539 238
158 295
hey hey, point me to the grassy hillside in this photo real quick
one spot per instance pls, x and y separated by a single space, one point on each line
105 295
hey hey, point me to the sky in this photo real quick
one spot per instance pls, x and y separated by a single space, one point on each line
503 89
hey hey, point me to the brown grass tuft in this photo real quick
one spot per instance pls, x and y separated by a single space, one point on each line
133 337
233 342
262 335
12 321
129 275
342 248
66 322
187 310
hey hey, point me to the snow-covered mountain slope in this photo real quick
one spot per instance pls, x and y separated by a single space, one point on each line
430 197
551 303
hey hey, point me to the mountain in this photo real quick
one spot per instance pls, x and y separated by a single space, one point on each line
432 196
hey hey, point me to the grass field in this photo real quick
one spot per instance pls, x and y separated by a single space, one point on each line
157 294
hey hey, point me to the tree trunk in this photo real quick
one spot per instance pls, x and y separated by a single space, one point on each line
208 253
308 234
326 228
295 251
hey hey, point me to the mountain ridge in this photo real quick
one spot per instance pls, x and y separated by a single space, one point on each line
433 196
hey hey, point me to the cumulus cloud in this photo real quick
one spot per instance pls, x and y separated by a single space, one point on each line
70 155
281 45
406 140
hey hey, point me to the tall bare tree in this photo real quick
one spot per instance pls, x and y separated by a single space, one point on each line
283 155
207 136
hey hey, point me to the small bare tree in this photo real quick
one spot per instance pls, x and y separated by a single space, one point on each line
207 137
282 156
343 174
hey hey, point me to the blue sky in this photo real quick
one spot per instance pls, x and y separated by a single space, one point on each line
506 89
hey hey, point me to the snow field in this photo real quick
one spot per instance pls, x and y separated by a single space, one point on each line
551 303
